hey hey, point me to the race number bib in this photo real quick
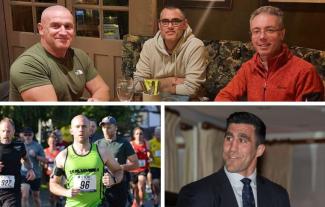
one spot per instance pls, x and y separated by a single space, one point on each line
157 153
86 183
142 163
7 181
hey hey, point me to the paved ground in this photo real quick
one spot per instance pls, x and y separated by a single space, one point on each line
44 198
45 202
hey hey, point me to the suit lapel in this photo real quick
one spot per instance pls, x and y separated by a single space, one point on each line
261 192
228 198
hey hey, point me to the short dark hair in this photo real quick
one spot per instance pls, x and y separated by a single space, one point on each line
172 7
249 118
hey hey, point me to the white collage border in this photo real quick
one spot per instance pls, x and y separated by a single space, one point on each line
163 105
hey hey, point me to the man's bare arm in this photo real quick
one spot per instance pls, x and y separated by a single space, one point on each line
28 165
98 89
112 164
131 164
56 178
26 162
40 93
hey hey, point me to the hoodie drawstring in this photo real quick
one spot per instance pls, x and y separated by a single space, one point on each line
175 72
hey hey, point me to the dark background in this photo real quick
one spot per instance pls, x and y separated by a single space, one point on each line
303 22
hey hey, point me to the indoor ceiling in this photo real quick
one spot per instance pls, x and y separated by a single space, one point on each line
282 121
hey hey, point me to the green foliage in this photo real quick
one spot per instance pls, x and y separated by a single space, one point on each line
61 115
66 136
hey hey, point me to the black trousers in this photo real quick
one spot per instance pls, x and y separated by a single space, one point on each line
117 195
10 198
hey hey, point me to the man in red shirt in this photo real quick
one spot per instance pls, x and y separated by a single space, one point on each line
274 73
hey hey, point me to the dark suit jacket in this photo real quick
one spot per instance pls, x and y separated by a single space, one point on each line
216 191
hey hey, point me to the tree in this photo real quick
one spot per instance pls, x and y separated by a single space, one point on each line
28 116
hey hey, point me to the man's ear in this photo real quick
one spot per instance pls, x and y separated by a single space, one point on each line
13 133
185 23
260 150
40 28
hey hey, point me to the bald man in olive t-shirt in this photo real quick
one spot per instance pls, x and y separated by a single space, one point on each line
37 67
53 71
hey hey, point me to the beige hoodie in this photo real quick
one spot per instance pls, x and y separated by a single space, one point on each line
188 60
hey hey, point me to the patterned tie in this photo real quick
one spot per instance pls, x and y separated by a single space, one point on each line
247 194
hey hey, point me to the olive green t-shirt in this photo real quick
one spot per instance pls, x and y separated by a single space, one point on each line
36 67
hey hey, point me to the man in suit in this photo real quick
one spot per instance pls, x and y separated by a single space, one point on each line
237 184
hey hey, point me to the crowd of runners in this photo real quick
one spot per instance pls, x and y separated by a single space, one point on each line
91 171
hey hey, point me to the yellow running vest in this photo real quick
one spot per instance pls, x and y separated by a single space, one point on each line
84 172
155 150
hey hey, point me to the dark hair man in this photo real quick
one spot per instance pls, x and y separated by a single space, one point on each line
237 183
123 152
174 56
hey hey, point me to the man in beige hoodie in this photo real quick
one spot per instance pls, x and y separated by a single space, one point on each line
174 56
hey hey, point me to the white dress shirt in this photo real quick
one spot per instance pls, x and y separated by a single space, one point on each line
237 185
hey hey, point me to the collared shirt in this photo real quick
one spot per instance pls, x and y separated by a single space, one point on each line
237 185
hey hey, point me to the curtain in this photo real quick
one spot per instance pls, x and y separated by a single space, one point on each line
189 157
308 180
171 122
210 151
277 164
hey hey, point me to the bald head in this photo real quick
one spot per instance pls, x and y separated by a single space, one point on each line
53 10
7 131
7 120
80 129
56 30
79 118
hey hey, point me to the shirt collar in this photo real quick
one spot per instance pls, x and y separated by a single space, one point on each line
236 177
274 63
111 140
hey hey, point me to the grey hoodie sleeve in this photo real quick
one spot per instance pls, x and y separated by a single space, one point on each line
143 66
195 74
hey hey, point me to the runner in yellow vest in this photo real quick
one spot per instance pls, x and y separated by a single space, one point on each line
154 147
83 165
